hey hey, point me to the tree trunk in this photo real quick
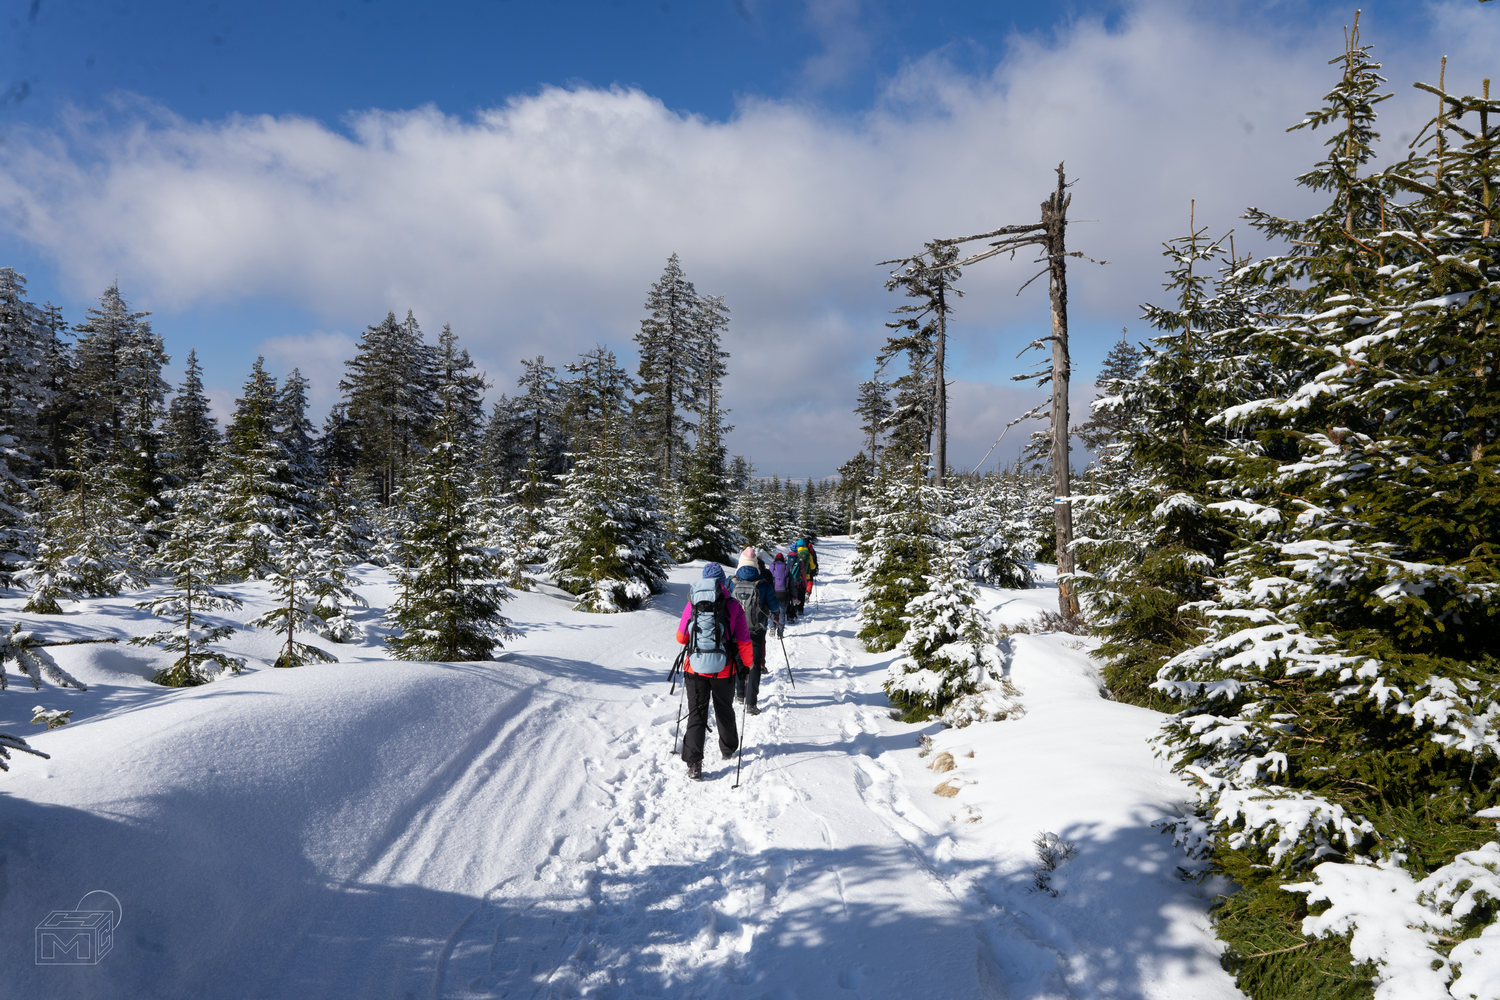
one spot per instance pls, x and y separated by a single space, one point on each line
942 385
1055 218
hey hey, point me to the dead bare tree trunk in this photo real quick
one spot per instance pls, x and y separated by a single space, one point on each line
1055 219
942 383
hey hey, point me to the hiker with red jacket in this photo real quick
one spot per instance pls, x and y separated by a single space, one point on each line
717 637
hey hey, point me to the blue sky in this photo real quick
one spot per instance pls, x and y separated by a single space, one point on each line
272 177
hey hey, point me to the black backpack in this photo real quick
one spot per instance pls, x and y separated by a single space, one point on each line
747 592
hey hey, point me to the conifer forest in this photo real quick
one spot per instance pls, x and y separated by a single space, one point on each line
1260 574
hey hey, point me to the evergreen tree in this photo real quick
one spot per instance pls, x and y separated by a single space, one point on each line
874 411
25 388
607 543
87 542
254 425
449 607
899 536
458 390
1166 539
191 556
294 432
924 323
118 369
1340 715
1109 421
704 511
337 452
668 360
347 539
192 434
298 573
59 416
947 664
388 393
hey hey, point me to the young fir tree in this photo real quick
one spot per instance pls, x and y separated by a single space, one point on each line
607 543
299 572
347 537
947 663
449 608
192 433
294 433
1340 717
1165 539
87 542
900 530
990 523
191 556
25 383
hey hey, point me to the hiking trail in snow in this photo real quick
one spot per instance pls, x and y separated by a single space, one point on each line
523 829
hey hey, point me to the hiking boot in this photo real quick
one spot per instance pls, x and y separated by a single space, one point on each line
752 709
695 771
728 754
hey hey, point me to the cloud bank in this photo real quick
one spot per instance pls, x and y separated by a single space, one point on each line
536 227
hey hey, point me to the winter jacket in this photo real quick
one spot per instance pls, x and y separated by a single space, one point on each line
809 564
768 603
812 559
739 633
780 575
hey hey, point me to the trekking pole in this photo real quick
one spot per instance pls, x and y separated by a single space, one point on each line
744 721
672 674
788 662
678 727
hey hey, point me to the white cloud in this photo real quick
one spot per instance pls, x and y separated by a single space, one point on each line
536 227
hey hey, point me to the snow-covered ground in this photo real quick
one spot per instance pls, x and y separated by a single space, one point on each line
520 828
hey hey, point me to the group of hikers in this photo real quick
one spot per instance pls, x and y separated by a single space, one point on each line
724 629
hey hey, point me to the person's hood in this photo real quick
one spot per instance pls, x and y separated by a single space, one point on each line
747 573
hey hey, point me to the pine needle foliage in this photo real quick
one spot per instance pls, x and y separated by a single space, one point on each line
1341 715
192 556
899 536
449 608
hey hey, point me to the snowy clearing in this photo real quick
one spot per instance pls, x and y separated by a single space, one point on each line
520 828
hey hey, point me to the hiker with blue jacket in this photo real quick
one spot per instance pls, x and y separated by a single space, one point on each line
756 594
717 637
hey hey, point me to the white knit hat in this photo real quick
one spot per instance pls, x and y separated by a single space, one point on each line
747 557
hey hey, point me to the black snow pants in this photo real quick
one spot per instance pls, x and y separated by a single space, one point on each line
700 690
747 682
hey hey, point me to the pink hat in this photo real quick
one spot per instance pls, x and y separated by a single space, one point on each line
747 557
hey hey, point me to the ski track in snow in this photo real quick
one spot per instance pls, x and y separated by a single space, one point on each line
561 851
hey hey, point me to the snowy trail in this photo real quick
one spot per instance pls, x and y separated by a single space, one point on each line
522 829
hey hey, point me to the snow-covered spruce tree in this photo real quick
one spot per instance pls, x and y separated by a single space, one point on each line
192 433
1161 538
299 569
1341 718
191 556
608 538
87 544
665 385
948 665
704 511
449 608
607 535
346 537
389 398
900 531
991 525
